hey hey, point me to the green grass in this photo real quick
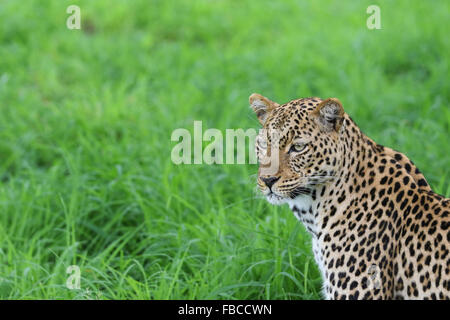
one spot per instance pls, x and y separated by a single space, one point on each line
86 118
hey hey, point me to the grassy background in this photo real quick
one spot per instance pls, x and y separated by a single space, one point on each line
86 118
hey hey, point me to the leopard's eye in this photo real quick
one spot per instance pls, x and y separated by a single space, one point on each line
298 147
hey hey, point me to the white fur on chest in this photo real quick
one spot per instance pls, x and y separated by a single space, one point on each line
302 203
303 208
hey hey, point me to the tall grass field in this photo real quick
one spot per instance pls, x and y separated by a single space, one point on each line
86 176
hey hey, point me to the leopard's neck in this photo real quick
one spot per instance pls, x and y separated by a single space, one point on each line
311 209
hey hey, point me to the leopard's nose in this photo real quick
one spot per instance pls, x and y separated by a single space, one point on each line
270 181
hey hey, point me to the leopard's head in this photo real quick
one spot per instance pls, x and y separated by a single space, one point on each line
299 146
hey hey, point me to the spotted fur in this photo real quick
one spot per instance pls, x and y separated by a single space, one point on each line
378 230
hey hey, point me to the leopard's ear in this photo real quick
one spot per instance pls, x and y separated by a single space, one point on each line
262 106
329 114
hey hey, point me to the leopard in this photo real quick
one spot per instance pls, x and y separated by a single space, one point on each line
378 231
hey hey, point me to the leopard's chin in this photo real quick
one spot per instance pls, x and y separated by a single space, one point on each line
275 199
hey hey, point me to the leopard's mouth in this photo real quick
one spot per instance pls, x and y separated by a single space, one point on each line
274 196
